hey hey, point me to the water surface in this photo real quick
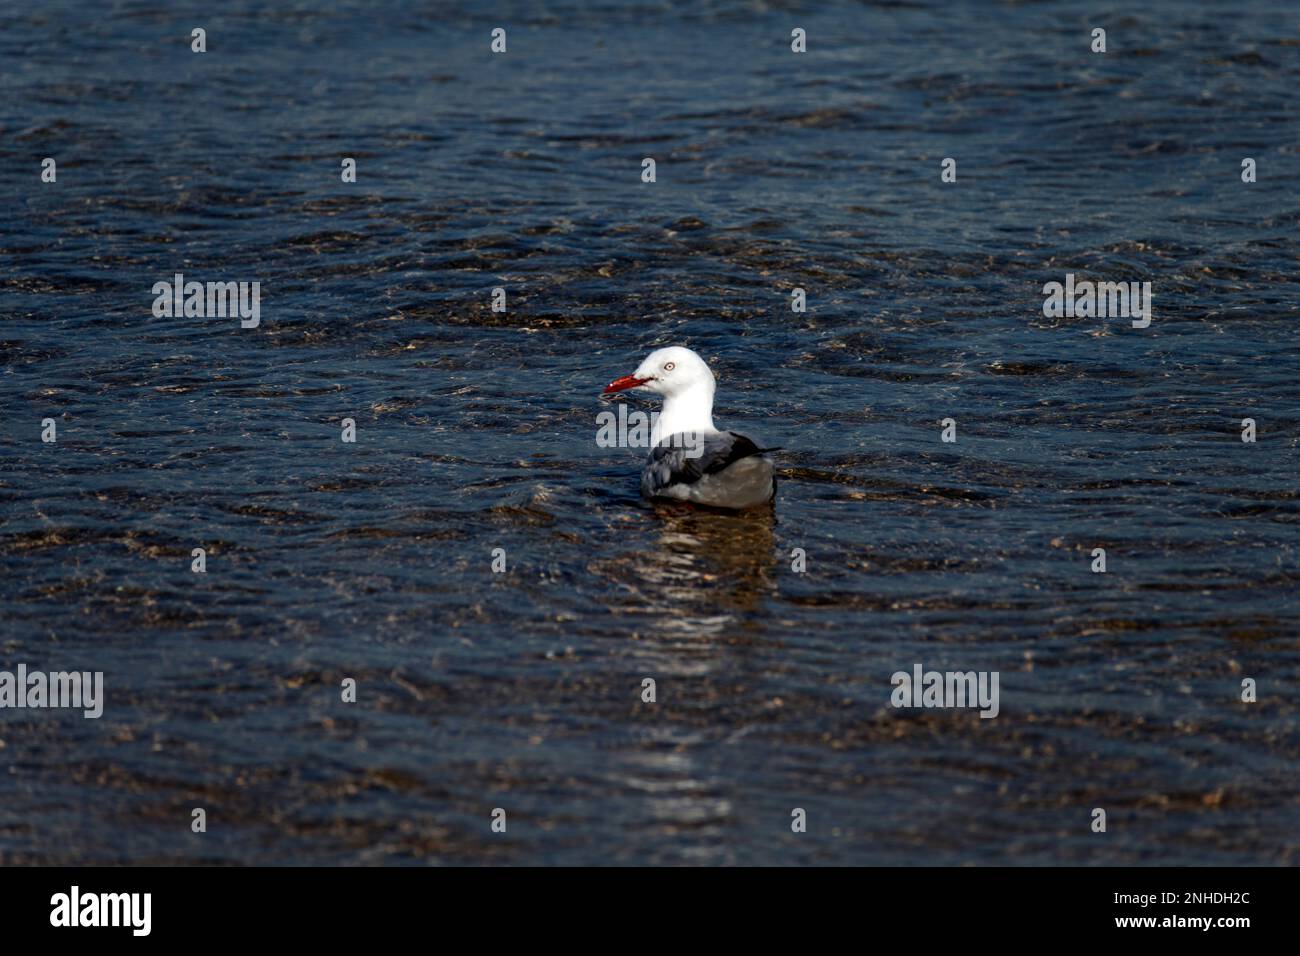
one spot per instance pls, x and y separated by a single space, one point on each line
476 431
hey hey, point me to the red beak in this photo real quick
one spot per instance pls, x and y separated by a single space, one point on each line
624 383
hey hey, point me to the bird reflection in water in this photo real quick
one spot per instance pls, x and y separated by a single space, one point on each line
701 586
708 570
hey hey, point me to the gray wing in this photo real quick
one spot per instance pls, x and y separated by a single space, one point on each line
673 462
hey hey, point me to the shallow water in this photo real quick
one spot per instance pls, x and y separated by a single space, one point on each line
476 430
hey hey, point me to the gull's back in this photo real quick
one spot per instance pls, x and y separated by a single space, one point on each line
730 471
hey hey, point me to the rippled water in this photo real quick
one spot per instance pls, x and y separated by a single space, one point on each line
476 430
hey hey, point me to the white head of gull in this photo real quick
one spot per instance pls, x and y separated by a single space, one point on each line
690 460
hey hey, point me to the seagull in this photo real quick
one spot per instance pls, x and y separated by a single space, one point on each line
690 460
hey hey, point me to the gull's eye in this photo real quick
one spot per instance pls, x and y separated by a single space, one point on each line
668 366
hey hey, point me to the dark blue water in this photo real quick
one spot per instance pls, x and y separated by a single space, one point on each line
476 430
